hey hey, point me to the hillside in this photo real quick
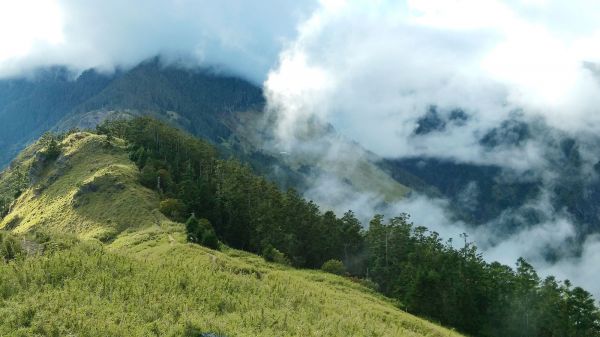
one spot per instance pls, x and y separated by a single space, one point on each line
55 98
102 260
223 109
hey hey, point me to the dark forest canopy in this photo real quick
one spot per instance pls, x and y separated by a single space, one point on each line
431 277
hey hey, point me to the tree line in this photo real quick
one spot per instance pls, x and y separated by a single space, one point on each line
222 199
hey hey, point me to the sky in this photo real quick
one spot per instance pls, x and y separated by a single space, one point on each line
371 68
244 37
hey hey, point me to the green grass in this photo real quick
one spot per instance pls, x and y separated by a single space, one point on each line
91 191
123 269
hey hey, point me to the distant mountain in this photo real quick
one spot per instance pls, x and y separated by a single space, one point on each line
29 107
223 109
201 101
51 98
565 183
228 112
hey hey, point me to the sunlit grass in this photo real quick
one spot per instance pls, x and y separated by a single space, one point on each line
123 269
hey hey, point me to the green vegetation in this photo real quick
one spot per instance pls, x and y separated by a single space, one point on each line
148 284
127 270
120 187
334 267
457 287
202 232
10 247
246 211
430 278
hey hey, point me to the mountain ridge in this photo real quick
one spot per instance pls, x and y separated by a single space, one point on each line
97 241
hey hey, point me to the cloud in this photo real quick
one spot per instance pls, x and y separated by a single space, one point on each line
581 270
241 36
374 70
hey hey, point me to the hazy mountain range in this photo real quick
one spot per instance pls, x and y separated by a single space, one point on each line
495 202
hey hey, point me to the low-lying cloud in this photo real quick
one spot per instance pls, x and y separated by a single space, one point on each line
241 36
374 70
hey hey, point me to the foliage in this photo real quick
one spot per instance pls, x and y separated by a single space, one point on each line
173 208
202 232
458 288
209 239
410 264
12 184
334 267
143 284
271 254
246 211
228 203
10 247
51 148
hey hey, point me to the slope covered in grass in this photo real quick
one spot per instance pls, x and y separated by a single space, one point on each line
109 264
91 190
151 282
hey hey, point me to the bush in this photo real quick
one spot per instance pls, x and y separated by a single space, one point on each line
10 247
272 254
52 148
366 282
210 240
173 208
201 232
334 267
149 176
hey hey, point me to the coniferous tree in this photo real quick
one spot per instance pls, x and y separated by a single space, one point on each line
454 286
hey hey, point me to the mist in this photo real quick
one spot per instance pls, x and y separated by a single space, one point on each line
371 69
374 71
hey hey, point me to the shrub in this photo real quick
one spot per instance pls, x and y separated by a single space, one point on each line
210 240
149 176
53 150
173 208
201 231
10 247
334 267
366 282
272 254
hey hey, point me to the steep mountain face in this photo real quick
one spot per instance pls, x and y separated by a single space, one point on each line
200 101
200 97
197 100
29 107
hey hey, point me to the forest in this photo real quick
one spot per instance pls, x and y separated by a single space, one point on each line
222 201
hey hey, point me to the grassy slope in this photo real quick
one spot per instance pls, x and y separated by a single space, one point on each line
91 191
146 280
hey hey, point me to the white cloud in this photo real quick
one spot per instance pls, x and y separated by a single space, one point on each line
243 37
374 71
24 24
371 68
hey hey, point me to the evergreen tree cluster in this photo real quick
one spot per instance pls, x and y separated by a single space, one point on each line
428 276
456 287
246 211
